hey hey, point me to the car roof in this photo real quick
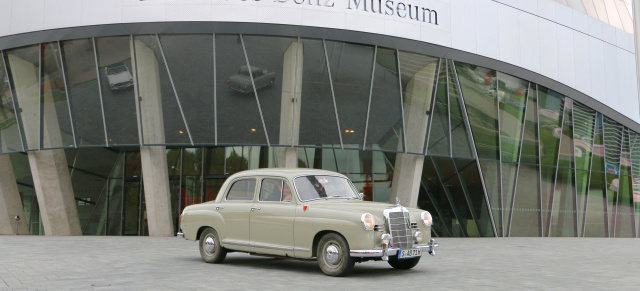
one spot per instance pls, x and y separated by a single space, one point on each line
285 172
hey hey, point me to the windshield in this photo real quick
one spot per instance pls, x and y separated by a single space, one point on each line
317 186
114 70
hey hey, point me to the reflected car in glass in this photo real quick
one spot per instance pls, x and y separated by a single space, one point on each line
241 81
306 214
118 76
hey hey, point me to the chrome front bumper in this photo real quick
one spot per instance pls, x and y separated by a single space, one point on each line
431 248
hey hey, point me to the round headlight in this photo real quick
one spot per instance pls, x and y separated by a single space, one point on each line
368 221
426 218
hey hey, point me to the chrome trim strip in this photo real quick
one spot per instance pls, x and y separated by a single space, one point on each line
301 250
366 253
264 246
238 243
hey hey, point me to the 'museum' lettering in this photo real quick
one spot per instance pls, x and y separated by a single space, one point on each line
398 8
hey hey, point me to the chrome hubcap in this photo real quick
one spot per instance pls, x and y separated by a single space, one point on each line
209 245
332 255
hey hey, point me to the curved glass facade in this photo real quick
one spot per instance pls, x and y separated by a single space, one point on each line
503 156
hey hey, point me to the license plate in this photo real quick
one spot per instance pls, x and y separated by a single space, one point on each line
410 253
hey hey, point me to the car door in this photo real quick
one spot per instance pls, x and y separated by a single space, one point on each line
272 218
235 211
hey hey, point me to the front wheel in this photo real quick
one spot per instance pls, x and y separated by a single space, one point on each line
210 249
403 264
333 255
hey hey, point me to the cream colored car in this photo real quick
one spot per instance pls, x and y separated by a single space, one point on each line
306 214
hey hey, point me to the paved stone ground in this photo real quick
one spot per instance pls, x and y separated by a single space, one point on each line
134 263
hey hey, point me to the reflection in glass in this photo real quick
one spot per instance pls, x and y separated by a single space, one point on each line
385 124
23 67
116 82
472 184
624 222
190 191
439 137
461 145
214 161
512 93
351 68
418 75
525 217
635 175
56 122
190 62
160 114
438 195
239 120
456 194
318 124
479 90
612 145
192 161
277 76
595 222
9 132
114 206
491 175
563 222
583 129
83 90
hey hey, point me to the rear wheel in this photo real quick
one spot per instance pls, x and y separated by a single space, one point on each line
210 249
403 264
333 255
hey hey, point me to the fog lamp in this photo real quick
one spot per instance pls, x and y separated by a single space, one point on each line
418 236
385 238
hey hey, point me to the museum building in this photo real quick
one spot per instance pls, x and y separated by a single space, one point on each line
503 118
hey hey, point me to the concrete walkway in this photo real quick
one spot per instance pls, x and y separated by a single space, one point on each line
135 263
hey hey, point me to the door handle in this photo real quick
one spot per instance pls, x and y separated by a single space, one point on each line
219 207
255 208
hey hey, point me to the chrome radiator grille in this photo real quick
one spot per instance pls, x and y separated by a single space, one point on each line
399 226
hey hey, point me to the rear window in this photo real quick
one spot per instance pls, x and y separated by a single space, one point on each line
242 190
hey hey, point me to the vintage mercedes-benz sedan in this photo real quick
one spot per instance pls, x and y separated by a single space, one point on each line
306 214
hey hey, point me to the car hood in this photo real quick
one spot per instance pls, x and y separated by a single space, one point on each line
240 79
120 77
375 208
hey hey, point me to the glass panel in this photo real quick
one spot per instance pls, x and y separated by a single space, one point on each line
143 221
84 96
22 173
191 191
512 94
584 120
439 132
625 16
133 168
525 217
612 13
590 7
635 172
274 62
9 132
23 66
131 209
192 161
385 127
547 186
425 201
418 77
601 10
174 162
438 195
56 123
624 209
595 217
508 174
318 125
363 184
160 115
625 157
472 183
382 187
563 210
236 160
114 207
491 175
214 161
211 189
351 69
598 160
550 108
461 145
613 146
479 91
238 115
449 178
118 96
530 151
190 61
577 5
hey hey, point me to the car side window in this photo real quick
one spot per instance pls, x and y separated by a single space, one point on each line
275 190
242 190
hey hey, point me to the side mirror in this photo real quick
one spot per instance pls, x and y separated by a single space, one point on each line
361 195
